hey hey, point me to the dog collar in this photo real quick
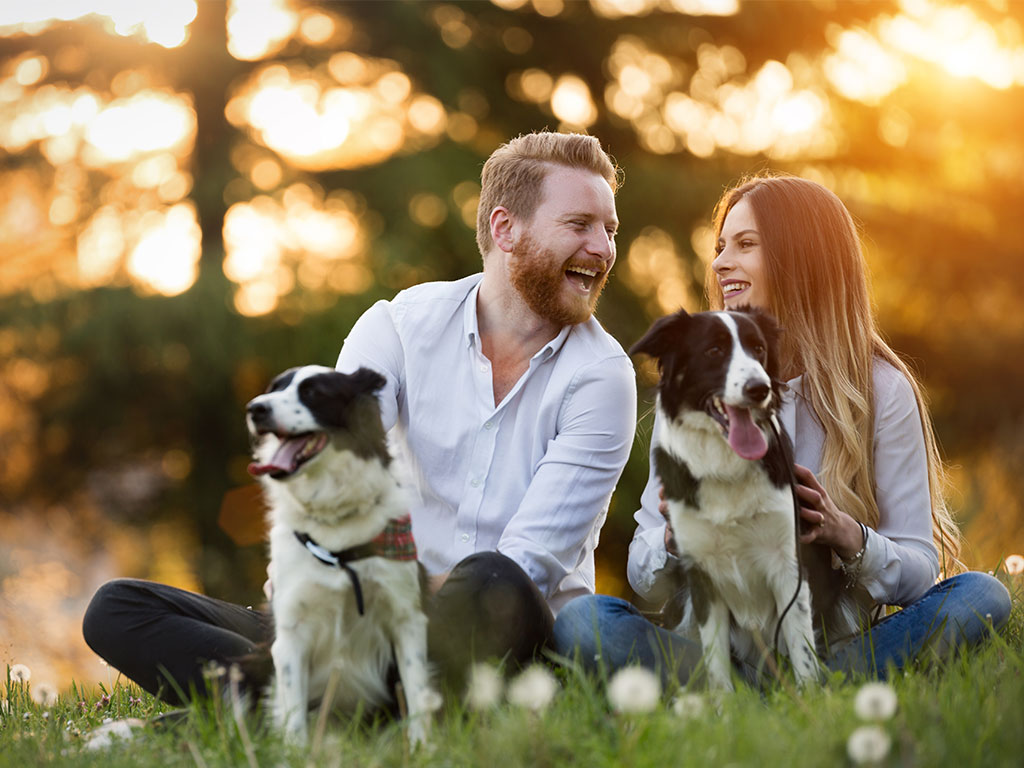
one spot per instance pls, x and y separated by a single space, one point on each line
395 542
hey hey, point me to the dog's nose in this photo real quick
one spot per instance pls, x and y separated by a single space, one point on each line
756 391
257 410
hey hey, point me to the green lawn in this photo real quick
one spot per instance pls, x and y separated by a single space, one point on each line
965 712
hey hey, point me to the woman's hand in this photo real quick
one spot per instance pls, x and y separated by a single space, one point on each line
823 522
670 539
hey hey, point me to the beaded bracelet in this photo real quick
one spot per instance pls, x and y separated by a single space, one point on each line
852 566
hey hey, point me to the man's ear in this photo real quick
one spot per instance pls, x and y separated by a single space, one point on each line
501 229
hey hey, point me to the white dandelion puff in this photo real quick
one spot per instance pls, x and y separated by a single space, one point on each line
533 689
868 745
485 687
44 695
688 705
430 701
633 690
875 702
1014 564
20 673
111 731
214 671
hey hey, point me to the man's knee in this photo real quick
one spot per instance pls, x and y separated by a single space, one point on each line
101 622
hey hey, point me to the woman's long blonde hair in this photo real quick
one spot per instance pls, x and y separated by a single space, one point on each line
818 289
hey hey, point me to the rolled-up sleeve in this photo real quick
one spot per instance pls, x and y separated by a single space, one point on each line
556 525
900 560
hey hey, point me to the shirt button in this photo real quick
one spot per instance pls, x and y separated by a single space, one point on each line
483 368
475 482
488 425
465 537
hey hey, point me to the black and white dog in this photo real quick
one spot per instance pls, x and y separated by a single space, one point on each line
346 590
725 465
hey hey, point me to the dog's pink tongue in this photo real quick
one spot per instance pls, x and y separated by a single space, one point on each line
284 460
745 439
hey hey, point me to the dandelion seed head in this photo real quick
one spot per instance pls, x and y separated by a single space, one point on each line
688 705
868 744
44 695
20 673
533 689
1014 564
875 701
214 671
430 701
634 690
485 687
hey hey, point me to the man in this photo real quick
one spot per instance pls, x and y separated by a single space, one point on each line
510 410
509 406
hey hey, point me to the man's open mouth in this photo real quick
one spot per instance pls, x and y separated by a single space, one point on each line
584 277
738 427
291 454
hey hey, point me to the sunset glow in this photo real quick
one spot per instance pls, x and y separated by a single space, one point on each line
355 111
273 243
164 23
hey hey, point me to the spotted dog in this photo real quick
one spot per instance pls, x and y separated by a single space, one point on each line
346 587
725 464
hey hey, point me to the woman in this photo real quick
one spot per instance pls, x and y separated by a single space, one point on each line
869 476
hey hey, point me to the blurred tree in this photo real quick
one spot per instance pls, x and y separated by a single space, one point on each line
335 160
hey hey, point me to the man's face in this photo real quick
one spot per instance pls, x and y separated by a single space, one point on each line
560 260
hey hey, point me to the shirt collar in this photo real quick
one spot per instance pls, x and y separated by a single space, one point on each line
471 327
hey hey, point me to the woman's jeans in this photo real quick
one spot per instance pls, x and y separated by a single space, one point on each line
607 633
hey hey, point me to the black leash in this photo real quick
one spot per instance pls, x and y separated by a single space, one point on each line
341 560
796 529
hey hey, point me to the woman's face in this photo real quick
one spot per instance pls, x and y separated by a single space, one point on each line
739 265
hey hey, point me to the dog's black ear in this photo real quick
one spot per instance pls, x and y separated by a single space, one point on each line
366 381
282 380
662 337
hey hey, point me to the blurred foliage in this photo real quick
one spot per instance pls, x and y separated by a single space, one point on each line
135 401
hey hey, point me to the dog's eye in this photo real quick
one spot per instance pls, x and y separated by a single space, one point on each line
759 351
715 351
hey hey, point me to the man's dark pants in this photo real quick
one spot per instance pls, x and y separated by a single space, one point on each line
163 637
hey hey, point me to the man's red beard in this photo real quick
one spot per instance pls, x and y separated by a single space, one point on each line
539 277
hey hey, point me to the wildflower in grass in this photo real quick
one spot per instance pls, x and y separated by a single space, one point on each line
1015 564
875 701
533 689
20 674
214 671
634 689
688 705
485 687
44 695
868 745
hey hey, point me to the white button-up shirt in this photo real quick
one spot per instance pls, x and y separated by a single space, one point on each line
531 477
900 560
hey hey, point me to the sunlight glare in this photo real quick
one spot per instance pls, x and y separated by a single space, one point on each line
164 23
270 242
355 111
258 29
165 260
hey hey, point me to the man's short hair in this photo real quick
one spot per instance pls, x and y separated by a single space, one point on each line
513 174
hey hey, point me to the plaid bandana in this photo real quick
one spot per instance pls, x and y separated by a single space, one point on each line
395 542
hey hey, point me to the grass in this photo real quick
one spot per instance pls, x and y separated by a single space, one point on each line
963 712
